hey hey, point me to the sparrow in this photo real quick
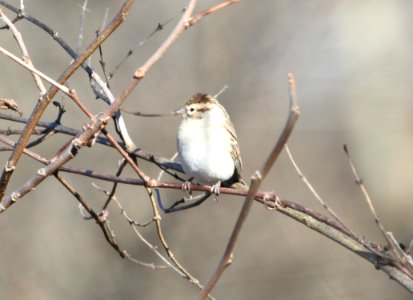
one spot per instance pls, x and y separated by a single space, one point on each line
207 144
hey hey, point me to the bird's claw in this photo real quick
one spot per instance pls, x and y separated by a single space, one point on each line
186 187
215 190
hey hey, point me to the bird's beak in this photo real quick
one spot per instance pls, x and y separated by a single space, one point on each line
181 112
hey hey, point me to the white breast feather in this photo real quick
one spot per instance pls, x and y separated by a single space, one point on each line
205 148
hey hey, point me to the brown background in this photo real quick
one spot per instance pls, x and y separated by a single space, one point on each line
352 61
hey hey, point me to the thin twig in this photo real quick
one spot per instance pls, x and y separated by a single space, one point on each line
326 207
32 69
211 10
133 225
17 35
71 93
226 259
122 164
392 243
310 187
126 156
289 126
48 132
157 220
101 221
101 60
150 246
82 24
130 52
332 230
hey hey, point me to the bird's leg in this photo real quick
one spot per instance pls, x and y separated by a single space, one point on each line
215 189
186 187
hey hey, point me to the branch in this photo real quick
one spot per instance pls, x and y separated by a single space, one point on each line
400 255
312 189
209 11
71 93
17 35
100 219
318 223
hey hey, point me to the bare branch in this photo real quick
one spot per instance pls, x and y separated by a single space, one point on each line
227 257
32 69
101 221
333 231
211 10
23 48
140 236
289 126
391 241
130 52
82 23
311 188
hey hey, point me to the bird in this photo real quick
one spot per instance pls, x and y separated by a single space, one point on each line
208 145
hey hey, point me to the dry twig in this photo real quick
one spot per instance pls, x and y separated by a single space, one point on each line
312 189
400 255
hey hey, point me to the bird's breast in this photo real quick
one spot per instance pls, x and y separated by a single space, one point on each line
205 151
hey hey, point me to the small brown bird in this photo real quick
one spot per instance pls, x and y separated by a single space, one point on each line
207 144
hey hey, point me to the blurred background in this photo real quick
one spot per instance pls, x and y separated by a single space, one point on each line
352 62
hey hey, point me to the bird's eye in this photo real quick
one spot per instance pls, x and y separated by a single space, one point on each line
192 109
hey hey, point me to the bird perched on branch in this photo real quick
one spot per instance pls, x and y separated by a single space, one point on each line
207 144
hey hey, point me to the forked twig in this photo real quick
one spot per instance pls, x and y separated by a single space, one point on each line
17 35
211 10
71 93
400 255
226 259
134 225
101 221
256 181
311 188
159 27
157 220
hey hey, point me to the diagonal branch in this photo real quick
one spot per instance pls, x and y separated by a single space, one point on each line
401 256
17 35
256 180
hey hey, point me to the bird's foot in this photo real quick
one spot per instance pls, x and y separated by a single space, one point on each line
186 187
215 190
